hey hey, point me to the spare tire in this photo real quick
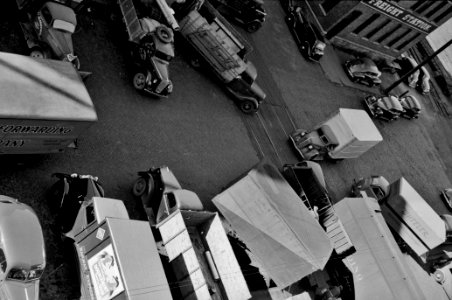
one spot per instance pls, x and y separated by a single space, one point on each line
164 34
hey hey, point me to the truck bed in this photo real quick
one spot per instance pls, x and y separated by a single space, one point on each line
131 21
187 236
214 44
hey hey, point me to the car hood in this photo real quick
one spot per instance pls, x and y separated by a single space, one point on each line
61 43
16 290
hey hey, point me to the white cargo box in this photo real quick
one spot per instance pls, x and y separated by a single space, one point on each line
408 214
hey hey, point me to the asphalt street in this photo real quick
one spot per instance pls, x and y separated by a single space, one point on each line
203 137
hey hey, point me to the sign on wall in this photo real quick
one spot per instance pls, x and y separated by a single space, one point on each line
401 14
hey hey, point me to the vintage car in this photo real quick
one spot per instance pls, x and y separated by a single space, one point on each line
363 70
411 107
48 32
387 108
308 38
152 56
407 64
423 84
22 251
250 13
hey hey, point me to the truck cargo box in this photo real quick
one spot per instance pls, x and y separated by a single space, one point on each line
353 131
119 260
202 257
408 214
380 270
275 225
44 105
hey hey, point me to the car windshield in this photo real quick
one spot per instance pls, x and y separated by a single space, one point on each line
26 275
63 26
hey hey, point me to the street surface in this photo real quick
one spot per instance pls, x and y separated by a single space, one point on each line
203 137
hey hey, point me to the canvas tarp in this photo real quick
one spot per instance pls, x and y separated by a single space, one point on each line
275 225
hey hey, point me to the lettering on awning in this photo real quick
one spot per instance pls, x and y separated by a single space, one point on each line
42 130
401 14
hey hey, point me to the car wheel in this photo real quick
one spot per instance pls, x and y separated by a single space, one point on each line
139 187
248 106
37 53
139 81
195 62
253 26
164 34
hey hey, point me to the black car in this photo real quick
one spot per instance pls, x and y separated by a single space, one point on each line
308 38
364 71
250 13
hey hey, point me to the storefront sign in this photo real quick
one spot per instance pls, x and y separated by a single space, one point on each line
22 129
401 14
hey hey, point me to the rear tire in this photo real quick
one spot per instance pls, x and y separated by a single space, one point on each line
139 187
248 107
253 26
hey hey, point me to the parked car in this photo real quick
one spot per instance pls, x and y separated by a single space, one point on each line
250 13
48 32
411 107
22 251
407 64
387 108
308 38
363 70
423 84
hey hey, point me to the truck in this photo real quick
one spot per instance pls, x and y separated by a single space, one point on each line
406 212
214 43
44 106
151 46
48 27
347 133
22 251
195 242
307 180
379 269
265 214
249 13
117 256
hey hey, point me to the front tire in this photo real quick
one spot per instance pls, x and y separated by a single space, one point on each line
139 81
253 26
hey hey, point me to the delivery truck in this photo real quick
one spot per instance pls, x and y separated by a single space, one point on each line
215 44
348 133
195 242
44 105
406 212
379 269
282 235
117 256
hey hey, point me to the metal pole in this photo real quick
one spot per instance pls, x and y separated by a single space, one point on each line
429 58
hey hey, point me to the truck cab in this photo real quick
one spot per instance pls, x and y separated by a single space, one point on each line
22 251
49 30
250 13
348 133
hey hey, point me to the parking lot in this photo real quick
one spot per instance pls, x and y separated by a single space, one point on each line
204 138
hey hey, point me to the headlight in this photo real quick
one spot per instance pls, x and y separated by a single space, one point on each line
310 147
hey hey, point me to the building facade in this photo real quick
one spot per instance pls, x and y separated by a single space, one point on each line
381 28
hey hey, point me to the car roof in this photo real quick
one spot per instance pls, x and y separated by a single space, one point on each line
61 12
21 235
365 65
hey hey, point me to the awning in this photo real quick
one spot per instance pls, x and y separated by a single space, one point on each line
275 225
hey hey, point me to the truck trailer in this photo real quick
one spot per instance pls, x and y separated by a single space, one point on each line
44 105
266 214
195 242
348 133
